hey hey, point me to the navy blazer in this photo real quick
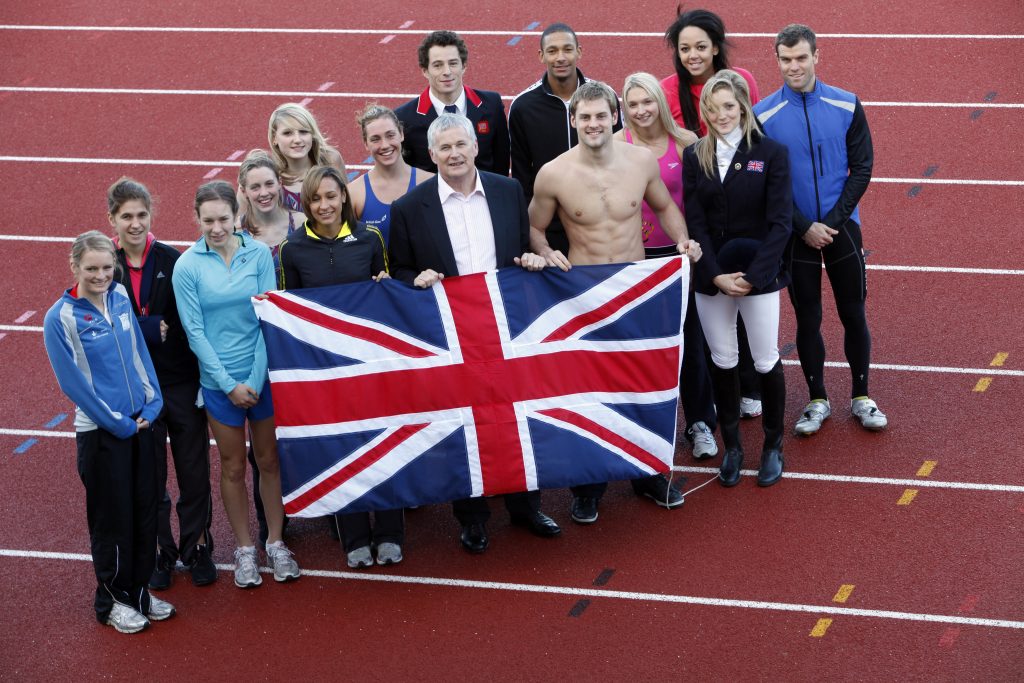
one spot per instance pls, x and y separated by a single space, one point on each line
483 107
419 234
755 200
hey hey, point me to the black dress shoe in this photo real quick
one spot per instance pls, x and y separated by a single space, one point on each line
161 577
584 509
474 538
729 472
538 523
771 467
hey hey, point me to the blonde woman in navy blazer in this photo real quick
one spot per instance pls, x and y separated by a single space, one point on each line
738 200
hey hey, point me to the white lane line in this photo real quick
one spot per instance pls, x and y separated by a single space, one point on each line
871 266
852 479
924 368
21 328
142 162
502 33
596 593
809 476
364 167
400 96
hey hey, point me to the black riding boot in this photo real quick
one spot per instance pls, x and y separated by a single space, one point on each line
773 401
727 402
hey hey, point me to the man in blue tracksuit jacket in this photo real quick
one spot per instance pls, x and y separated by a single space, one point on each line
830 157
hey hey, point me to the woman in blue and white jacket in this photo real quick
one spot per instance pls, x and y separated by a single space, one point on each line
100 359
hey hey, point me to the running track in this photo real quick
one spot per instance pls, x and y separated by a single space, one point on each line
881 557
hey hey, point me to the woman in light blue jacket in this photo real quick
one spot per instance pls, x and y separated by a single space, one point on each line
214 282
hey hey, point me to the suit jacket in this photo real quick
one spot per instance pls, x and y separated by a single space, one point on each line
173 359
755 200
419 235
483 107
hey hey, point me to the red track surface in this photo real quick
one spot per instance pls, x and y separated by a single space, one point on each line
953 552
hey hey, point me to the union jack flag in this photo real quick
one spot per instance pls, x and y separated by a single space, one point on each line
757 166
387 396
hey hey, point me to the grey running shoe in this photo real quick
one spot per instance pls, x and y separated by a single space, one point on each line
865 410
389 553
360 557
284 565
750 407
159 609
247 573
126 619
816 412
704 445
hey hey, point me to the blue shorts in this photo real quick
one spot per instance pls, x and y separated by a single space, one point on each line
221 409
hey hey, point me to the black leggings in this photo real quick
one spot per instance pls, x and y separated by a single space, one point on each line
844 263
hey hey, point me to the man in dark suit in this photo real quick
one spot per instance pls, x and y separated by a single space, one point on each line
443 57
459 222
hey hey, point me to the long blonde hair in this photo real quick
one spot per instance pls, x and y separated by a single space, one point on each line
649 84
726 79
320 152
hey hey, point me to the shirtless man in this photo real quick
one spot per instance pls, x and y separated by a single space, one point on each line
597 189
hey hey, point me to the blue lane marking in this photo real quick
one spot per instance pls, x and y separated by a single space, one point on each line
532 25
352 175
24 446
56 421
368 159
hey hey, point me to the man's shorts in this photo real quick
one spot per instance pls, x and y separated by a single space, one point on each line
221 409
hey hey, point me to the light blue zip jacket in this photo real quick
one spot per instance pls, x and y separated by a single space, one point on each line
104 368
215 305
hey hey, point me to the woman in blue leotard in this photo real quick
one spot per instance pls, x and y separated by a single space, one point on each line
390 177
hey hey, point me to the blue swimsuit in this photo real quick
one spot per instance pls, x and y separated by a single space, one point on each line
376 212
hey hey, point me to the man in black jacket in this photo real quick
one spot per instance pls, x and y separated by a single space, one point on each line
538 118
443 57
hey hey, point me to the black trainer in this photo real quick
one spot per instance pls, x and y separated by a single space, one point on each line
161 577
584 510
202 569
658 489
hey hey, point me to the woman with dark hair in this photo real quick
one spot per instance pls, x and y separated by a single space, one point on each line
391 177
146 268
699 51
214 282
739 205
333 249
99 356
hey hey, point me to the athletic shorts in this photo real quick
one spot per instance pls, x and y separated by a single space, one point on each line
221 409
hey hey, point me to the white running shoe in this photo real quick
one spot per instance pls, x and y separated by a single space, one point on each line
704 445
159 609
359 558
750 407
816 412
126 619
389 553
247 573
871 418
284 565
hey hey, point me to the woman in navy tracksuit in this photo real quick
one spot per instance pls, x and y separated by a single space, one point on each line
146 268
100 359
739 205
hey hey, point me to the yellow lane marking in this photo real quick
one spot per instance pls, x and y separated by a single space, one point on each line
927 467
843 594
999 359
819 629
907 497
983 384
